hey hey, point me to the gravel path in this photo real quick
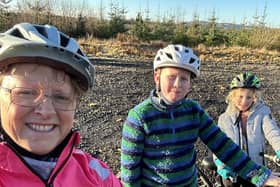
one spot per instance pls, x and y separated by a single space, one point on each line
121 85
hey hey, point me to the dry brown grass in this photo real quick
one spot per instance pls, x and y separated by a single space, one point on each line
131 49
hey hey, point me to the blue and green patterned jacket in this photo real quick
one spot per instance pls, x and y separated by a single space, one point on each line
158 145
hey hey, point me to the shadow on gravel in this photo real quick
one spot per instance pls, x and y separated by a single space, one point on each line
113 62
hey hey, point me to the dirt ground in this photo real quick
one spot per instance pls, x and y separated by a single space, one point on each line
121 85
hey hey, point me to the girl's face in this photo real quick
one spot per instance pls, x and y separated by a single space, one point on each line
175 83
244 98
41 127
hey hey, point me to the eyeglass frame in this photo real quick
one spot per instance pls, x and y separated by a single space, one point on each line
44 95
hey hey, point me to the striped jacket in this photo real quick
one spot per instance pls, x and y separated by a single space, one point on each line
158 146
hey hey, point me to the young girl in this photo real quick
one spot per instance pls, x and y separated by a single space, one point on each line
248 122
159 135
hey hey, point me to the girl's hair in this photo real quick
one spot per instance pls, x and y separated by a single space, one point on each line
230 98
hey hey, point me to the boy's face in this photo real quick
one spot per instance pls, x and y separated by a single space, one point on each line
174 83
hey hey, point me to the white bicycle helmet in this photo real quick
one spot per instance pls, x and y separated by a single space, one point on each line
45 44
177 56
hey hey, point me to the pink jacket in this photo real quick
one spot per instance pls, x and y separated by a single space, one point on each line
74 168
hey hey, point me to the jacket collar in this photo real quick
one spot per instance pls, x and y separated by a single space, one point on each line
160 103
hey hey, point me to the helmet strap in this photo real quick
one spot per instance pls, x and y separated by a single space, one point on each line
238 119
164 101
188 93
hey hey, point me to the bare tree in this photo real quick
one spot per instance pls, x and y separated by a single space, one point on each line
101 11
147 11
4 10
72 15
36 10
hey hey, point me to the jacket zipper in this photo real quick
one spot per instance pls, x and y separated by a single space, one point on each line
172 117
50 184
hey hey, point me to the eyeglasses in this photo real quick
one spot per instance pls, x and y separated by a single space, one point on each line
28 97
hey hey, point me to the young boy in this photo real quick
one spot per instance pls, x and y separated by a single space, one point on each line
159 135
248 122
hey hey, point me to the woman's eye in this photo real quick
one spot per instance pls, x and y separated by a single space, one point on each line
184 79
62 98
25 92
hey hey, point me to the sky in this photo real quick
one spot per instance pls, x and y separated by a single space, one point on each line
228 11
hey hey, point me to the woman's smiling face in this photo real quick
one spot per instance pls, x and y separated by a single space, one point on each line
41 127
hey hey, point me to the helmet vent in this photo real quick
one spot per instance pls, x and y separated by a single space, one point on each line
17 33
250 80
187 51
169 55
63 40
77 57
80 52
42 31
192 60
176 48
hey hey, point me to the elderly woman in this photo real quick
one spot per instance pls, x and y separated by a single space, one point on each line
43 73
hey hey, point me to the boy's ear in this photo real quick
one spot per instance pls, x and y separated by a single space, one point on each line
156 76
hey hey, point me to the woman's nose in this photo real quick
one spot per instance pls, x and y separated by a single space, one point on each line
45 107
